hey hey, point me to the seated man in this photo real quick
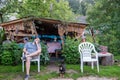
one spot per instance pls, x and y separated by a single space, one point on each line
31 49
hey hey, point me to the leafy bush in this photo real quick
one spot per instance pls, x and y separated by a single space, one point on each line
13 51
45 55
2 35
6 58
0 52
111 41
70 51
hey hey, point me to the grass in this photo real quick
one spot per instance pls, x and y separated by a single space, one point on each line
105 71
15 72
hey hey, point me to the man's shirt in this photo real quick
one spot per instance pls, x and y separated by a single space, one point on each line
31 47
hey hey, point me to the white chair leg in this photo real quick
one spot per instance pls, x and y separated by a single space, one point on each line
38 66
82 67
92 64
23 66
97 66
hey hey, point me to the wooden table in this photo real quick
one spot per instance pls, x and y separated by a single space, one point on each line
106 59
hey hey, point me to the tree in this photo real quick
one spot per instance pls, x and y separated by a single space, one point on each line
8 7
47 9
105 17
37 8
75 5
80 6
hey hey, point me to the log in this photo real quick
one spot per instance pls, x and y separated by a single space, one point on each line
107 60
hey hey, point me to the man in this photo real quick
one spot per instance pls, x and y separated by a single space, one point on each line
31 49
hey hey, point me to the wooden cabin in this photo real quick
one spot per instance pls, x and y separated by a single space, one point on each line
45 29
19 28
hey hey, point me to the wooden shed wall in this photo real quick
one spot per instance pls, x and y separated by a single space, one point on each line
21 28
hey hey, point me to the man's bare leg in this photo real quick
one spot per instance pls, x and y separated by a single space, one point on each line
28 65
33 54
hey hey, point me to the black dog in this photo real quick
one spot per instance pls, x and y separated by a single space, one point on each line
62 69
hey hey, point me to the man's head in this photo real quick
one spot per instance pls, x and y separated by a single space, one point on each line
36 40
25 39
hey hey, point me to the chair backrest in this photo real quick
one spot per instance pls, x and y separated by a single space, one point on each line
85 50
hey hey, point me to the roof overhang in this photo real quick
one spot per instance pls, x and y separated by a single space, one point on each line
52 21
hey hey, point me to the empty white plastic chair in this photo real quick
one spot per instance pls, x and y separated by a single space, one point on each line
88 54
37 58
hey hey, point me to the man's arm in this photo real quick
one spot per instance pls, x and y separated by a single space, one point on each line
37 41
38 51
25 51
38 48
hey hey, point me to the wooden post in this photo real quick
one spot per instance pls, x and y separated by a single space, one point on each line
61 32
33 24
93 35
1 17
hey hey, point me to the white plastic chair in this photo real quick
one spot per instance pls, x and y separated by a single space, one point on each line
37 58
88 54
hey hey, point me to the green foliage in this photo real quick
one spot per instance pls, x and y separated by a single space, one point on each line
6 58
105 71
2 38
45 9
38 8
13 52
0 52
105 17
70 51
2 35
111 41
8 7
45 56
80 7
75 5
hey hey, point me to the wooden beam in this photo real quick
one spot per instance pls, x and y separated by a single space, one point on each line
23 35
